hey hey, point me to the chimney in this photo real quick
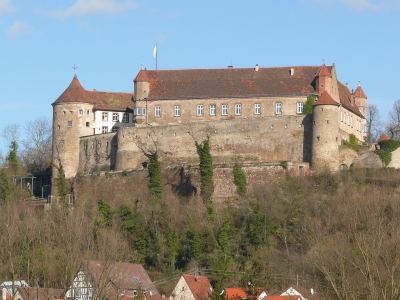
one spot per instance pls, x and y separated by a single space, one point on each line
256 68
291 71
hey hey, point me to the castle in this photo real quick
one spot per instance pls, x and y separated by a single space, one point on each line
252 115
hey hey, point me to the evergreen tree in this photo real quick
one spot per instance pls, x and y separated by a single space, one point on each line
5 186
223 237
130 219
307 110
172 241
154 167
256 227
194 241
239 179
12 156
61 184
107 213
206 169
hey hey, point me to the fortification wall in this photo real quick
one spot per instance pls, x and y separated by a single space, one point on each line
97 153
266 139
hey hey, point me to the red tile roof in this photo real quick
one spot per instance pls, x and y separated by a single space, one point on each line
383 137
230 82
115 276
346 99
325 99
32 293
199 286
359 92
111 100
324 71
234 293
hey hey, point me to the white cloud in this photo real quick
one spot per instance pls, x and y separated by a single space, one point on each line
6 7
18 29
84 7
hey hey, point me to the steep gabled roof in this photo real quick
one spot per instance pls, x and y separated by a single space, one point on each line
323 71
115 276
383 137
325 99
111 100
346 100
199 286
359 92
230 82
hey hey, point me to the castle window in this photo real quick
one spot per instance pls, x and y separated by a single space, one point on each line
257 109
318 138
157 111
69 123
224 109
138 111
80 112
114 129
64 112
88 114
115 117
300 106
278 108
341 116
351 121
105 116
177 111
238 109
213 110
125 118
104 129
87 124
200 110
348 119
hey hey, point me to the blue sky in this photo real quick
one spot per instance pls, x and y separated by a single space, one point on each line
108 40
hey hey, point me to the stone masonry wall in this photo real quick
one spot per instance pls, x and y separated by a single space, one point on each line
97 153
257 140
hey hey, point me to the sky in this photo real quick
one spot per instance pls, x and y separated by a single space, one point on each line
109 40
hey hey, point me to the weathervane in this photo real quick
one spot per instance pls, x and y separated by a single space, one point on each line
323 61
74 67
359 83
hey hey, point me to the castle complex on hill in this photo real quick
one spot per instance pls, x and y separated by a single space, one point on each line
252 115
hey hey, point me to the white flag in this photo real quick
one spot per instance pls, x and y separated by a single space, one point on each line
155 51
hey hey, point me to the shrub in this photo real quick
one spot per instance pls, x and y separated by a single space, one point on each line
352 143
386 149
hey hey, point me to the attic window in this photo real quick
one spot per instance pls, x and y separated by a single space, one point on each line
137 279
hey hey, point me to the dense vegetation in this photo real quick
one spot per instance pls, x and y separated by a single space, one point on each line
386 149
339 233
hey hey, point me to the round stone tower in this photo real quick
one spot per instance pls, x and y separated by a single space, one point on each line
325 140
72 118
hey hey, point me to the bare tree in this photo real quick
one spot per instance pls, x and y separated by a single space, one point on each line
37 145
393 125
374 123
11 133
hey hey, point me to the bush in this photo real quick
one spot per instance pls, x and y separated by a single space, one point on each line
386 149
308 105
352 143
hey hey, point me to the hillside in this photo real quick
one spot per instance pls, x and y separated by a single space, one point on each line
338 233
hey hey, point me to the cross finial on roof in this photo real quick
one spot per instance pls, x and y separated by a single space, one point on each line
323 61
142 67
74 67
359 83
